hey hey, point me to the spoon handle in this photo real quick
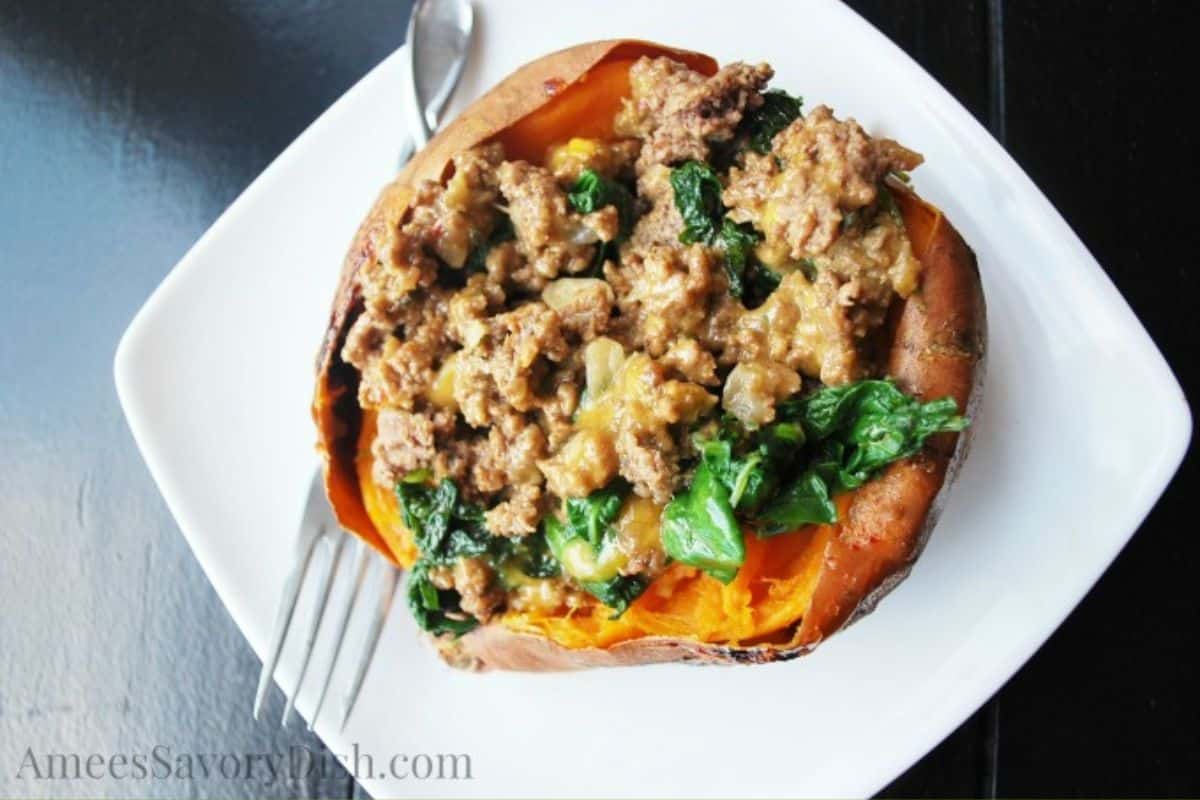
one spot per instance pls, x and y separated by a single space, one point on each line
419 128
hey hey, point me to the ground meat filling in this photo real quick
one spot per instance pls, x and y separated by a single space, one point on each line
679 114
551 238
475 582
664 293
534 352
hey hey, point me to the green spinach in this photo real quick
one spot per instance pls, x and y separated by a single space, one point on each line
854 431
443 528
531 554
777 111
785 475
806 500
436 610
739 242
760 280
588 524
446 529
698 199
592 192
617 593
699 527
739 471
589 517
748 478
750 462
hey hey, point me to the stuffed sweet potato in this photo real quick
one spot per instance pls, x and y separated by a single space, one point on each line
641 361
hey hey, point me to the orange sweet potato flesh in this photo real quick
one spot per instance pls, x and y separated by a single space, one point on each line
794 590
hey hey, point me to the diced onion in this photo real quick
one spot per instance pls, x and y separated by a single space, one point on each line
563 292
753 388
601 361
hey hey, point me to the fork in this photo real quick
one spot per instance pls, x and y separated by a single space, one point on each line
319 533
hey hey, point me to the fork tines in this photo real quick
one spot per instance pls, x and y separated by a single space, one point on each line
318 526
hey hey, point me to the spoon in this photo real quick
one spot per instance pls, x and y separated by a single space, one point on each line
439 41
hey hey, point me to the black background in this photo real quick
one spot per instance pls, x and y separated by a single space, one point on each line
1089 97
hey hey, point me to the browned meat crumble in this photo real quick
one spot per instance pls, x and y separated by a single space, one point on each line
533 353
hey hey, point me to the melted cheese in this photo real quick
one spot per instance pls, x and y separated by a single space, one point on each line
638 525
576 149
441 394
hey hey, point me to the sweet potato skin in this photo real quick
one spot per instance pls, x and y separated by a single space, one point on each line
938 348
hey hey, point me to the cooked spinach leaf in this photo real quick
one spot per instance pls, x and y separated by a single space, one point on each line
738 242
436 610
750 462
806 500
699 528
854 431
777 111
748 478
698 199
559 534
531 554
617 593
582 538
875 415
429 512
785 475
592 192
446 529
760 280
781 440
589 517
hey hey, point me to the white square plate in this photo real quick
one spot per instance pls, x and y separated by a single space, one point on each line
1082 427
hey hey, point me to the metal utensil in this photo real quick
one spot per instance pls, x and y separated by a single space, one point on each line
321 539
439 42
439 35
317 527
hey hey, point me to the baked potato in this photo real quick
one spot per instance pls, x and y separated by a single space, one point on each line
639 361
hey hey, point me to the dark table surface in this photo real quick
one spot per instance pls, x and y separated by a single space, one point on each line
126 127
